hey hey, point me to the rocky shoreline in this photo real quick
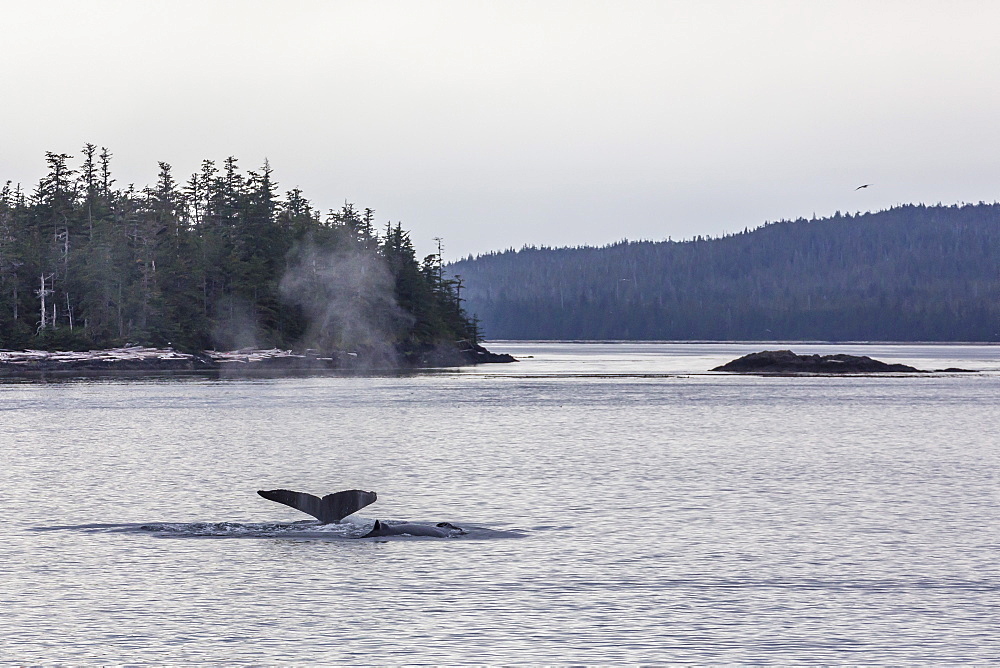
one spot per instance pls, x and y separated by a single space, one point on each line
138 360
787 362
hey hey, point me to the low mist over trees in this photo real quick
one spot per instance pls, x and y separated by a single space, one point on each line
912 273
217 261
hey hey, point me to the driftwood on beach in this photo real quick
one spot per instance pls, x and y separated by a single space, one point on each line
139 359
133 358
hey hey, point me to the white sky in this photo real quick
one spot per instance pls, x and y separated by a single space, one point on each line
500 124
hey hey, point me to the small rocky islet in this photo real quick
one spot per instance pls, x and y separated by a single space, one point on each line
788 362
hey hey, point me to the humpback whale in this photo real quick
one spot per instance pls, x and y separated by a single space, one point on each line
335 507
331 508
439 530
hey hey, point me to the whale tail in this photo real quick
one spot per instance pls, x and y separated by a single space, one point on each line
331 508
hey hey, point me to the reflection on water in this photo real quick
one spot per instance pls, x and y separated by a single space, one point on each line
664 514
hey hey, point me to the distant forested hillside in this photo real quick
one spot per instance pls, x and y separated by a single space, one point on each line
912 273
220 260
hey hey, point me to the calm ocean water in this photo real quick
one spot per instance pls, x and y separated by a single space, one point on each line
623 506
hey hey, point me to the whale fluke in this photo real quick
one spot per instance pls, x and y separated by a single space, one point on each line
331 508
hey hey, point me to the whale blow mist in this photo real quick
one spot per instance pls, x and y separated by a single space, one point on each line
236 325
348 298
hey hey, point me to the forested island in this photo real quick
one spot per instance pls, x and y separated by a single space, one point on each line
911 273
217 262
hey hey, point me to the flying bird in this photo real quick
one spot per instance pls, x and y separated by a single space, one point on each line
864 186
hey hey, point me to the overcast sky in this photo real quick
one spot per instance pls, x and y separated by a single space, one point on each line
500 124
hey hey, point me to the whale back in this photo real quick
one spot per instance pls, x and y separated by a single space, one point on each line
331 508
440 530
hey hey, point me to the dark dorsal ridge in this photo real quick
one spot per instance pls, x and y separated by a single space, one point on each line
331 508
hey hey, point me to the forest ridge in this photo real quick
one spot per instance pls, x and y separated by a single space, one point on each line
220 261
910 273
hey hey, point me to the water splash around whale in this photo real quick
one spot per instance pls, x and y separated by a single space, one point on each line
304 530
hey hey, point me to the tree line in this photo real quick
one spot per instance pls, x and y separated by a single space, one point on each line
910 273
219 261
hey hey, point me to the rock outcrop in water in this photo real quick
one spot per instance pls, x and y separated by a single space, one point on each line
785 361
463 354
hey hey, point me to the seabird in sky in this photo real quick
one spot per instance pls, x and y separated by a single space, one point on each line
864 186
